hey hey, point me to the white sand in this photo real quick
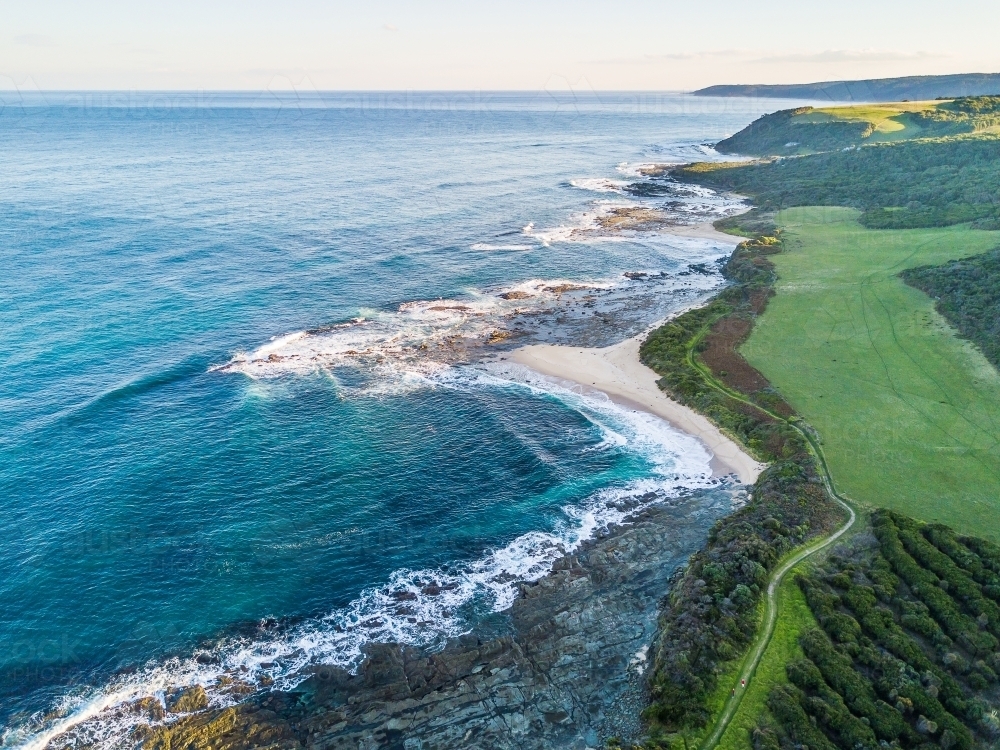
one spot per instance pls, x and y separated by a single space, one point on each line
617 371
706 231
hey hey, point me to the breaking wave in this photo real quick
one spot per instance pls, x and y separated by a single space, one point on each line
421 336
417 607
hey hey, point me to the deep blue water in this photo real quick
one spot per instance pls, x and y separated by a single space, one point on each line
155 504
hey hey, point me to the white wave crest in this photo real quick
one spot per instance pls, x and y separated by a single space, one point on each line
420 337
487 247
418 607
640 170
599 184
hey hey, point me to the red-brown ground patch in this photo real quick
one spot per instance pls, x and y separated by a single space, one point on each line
728 365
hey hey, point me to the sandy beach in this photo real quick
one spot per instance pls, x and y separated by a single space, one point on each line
705 231
617 372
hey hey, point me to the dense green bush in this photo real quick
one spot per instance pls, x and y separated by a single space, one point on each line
786 707
927 587
858 693
916 183
712 612
882 650
824 604
711 615
967 294
828 706
961 586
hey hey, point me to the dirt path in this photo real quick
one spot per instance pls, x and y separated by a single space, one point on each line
759 645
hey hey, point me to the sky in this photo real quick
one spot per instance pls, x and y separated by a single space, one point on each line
526 45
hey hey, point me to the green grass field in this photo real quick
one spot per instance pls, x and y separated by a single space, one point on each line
794 617
889 120
909 414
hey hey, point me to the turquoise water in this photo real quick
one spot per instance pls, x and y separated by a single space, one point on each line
235 427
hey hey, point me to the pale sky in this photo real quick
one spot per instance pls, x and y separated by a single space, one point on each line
519 44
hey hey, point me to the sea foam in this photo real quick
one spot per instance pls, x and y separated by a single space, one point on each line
417 607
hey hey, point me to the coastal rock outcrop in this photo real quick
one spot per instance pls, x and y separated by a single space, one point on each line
562 668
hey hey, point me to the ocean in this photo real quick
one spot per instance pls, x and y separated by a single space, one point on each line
256 407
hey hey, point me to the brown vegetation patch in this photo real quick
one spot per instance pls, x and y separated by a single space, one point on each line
758 299
721 354
725 362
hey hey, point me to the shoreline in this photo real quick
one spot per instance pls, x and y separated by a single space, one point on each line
706 231
627 382
564 666
617 372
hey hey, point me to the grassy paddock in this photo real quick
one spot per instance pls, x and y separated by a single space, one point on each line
909 414
728 676
794 618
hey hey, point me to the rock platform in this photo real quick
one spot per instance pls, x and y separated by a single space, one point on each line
566 670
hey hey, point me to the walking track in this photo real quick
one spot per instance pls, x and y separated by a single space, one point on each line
759 645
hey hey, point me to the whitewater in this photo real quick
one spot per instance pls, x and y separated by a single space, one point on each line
258 406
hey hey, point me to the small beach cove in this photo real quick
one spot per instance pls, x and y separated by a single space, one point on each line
579 636
617 372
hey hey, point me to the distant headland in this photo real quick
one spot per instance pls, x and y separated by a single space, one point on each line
913 88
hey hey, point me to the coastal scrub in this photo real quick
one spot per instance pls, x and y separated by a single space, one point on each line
712 614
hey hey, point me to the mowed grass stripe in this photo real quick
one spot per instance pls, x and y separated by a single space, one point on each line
909 413
794 618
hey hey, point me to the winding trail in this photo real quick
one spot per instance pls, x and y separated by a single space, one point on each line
759 646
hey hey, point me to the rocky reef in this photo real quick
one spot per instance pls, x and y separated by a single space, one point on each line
564 667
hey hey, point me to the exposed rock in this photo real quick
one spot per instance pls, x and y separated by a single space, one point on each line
563 288
631 218
229 729
189 700
656 170
151 707
567 673
650 189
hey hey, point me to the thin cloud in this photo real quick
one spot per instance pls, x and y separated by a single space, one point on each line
669 57
850 55
389 27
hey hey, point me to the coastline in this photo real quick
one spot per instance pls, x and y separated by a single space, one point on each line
617 372
707 231
564 666
626 381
